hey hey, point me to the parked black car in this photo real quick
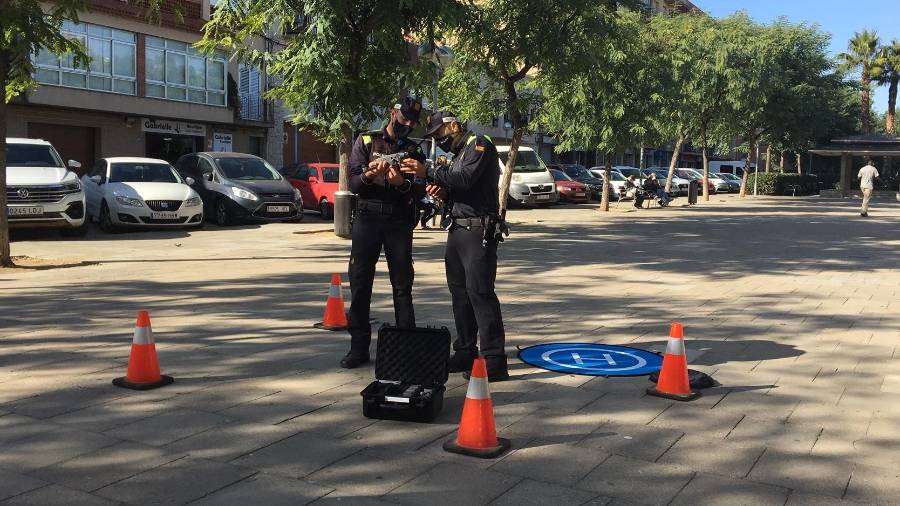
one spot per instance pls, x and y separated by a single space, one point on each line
582 175
238 186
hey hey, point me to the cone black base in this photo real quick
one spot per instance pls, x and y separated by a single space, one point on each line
321 325
503 445
675 397
163 381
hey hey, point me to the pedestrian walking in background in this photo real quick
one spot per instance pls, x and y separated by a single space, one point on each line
866 176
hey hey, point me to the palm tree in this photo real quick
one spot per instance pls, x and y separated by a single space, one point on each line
890 57
863 54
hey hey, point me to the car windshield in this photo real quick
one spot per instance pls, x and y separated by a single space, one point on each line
625 171
142 173
559 175
526 161
616 176
578 172
685 174
32 155
246 169
730 176
330 175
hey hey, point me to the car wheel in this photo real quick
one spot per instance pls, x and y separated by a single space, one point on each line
106 223
325 210
223 213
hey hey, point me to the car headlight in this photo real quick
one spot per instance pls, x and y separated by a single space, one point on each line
193 202
517 178
296 194
74 185
128 201
243 194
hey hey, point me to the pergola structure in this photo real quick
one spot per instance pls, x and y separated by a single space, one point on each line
870 145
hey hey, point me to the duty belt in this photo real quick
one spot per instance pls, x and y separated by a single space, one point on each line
470 222
383 208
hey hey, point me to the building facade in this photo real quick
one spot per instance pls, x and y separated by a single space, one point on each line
146 92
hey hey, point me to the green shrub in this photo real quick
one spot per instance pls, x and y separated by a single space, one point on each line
776 183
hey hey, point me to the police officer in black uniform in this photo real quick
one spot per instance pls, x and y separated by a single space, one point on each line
470 183
385 216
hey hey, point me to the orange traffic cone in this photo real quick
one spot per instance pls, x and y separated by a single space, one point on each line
673 378
335 316
477 435
143 366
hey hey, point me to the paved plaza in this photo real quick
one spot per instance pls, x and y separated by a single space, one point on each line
790 304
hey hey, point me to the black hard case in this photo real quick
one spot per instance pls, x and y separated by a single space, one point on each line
410 371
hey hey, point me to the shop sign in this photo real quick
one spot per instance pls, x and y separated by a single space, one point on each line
173 127
222 142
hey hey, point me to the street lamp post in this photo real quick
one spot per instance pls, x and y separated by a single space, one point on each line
441 57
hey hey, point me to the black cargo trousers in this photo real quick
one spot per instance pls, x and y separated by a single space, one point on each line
373 230
471 265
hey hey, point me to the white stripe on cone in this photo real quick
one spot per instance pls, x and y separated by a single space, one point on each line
143 335
478 389
334 291
675 346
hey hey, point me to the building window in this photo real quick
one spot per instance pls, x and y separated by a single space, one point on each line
112 67
177 71
251 88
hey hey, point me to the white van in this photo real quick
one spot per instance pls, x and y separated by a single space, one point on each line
40 190
532 184
735 167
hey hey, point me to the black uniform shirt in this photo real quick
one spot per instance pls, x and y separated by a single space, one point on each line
370 146
472 178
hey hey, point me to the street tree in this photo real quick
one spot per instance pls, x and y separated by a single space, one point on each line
339 64
27 26
863 55
505 48
890 77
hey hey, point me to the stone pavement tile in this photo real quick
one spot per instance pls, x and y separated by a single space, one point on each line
370 474
265 490
870 451
168 427
713 455
178 482
715 490
440 485
298 455
118 412
14 427
534 493
551 425
100 468
628 385
801 499
230 441
12 484
559 398
891 384
54 495
636 441
793 437
48 448
222 396
698 420
627 409
553 463
62 401
758 405
311 382
276 408
803 472
401 436
831 417
335 420
876 485
637 480
335 499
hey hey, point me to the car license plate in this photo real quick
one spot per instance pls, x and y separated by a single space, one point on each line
164 216
25 211
543 197
579 195
278 209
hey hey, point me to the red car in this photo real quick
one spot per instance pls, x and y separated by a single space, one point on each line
317 183
569 189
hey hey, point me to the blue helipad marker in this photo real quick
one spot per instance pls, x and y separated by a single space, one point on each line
590 359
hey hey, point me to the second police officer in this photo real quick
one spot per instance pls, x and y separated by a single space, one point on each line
470 183
385 216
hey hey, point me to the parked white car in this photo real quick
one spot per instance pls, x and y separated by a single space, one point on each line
40 190
532 184
617 180
140 192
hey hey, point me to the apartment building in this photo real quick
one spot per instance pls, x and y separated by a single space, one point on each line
147 91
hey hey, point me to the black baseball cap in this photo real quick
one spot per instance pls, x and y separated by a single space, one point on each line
410 108
437 120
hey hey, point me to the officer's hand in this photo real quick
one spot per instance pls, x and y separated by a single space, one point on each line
413 167
379 167
436 192
394 177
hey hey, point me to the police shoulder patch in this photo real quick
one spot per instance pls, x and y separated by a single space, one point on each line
479 147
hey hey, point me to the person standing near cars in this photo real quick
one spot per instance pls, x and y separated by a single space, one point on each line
867 175
471 182
385 217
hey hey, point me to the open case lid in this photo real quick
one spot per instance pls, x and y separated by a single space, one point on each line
418 355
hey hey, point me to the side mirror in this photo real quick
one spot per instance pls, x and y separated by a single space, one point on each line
312 179
97 179
74 165
208 176
189 181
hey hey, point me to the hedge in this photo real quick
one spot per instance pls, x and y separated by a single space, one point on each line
777 183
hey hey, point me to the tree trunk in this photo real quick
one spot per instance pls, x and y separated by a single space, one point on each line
705 180
799 163
892 105
768 158
344 148
782 164
343 199
5 259
604 199
506 180
746 176
674 162
866 95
